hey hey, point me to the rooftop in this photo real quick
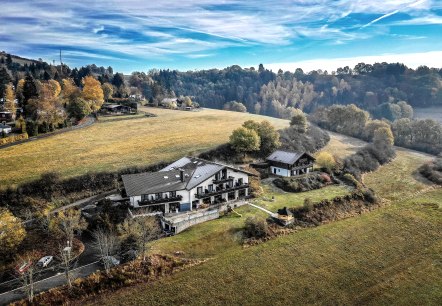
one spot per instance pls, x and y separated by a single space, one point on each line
196 171
286 157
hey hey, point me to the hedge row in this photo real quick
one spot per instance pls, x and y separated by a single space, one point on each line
49 188
314 214
13 138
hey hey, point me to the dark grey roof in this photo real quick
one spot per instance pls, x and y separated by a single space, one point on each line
284 212
196 171
286 157
154 182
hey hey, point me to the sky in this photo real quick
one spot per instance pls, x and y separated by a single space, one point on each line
201 34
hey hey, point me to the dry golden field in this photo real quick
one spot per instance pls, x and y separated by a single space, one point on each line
111 145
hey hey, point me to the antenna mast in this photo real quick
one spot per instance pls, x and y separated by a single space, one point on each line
61 65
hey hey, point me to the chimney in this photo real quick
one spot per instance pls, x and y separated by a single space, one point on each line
182 175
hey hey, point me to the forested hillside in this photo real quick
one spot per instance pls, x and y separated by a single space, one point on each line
377 88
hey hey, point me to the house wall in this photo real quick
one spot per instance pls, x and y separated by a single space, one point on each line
189 196
279 171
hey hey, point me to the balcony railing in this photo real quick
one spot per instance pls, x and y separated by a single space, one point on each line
220 191
302 166
176 198
223 180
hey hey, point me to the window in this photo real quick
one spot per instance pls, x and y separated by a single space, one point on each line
211 187
159 196
240 181
172 194
199 190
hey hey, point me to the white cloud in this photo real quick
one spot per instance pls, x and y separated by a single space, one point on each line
412 60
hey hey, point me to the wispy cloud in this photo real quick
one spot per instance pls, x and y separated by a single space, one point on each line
194 28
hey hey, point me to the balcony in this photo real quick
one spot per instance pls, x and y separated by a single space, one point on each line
302 166
220 191
176 198
223 180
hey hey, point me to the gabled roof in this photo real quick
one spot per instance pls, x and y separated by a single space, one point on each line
196 171
287 157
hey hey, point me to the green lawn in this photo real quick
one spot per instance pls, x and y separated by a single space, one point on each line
391 256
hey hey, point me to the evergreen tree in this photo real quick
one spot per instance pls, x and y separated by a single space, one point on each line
29 89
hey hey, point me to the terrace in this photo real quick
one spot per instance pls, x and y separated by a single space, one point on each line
218 191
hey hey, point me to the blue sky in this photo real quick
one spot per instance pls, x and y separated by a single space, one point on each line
182 34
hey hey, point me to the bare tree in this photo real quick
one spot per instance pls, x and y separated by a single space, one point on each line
70 221
65 253
149 230
26 277
106 243
144 229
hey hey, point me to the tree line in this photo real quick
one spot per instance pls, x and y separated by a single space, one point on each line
383 89
423 135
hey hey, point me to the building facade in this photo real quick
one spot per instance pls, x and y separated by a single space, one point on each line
185 185
285 163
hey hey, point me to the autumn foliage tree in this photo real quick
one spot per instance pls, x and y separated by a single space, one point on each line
12 233
93 93
9 100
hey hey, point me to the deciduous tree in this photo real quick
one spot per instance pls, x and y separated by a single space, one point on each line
12 233
93 93
245 140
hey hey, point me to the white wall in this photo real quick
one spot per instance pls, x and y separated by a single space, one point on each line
279 171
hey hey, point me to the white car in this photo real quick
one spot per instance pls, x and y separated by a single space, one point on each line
45 261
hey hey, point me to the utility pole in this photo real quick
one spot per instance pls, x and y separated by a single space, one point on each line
61 65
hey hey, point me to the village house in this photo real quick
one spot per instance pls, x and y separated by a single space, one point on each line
186 185
285 163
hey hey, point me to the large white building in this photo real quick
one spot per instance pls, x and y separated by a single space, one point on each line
185 185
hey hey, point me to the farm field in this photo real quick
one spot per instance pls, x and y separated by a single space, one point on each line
112 145
389 256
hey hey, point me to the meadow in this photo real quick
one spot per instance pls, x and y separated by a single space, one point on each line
110 145
389 256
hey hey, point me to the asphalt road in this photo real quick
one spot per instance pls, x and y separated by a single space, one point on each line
48 283
52 277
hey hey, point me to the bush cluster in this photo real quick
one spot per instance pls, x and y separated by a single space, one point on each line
256 227
432 171
314 214
303 183
119 277
368 159
311 141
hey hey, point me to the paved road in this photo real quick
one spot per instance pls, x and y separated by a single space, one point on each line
48 283
86 264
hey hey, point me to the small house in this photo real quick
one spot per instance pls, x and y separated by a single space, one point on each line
285 216
7 116
286 163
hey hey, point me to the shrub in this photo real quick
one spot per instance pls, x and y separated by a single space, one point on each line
432 171
302 183
256 227
13 138
351 180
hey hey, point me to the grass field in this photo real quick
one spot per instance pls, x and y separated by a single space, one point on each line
112 145
391 256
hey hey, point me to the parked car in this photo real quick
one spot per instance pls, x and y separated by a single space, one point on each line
24 267
111 260
45 261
